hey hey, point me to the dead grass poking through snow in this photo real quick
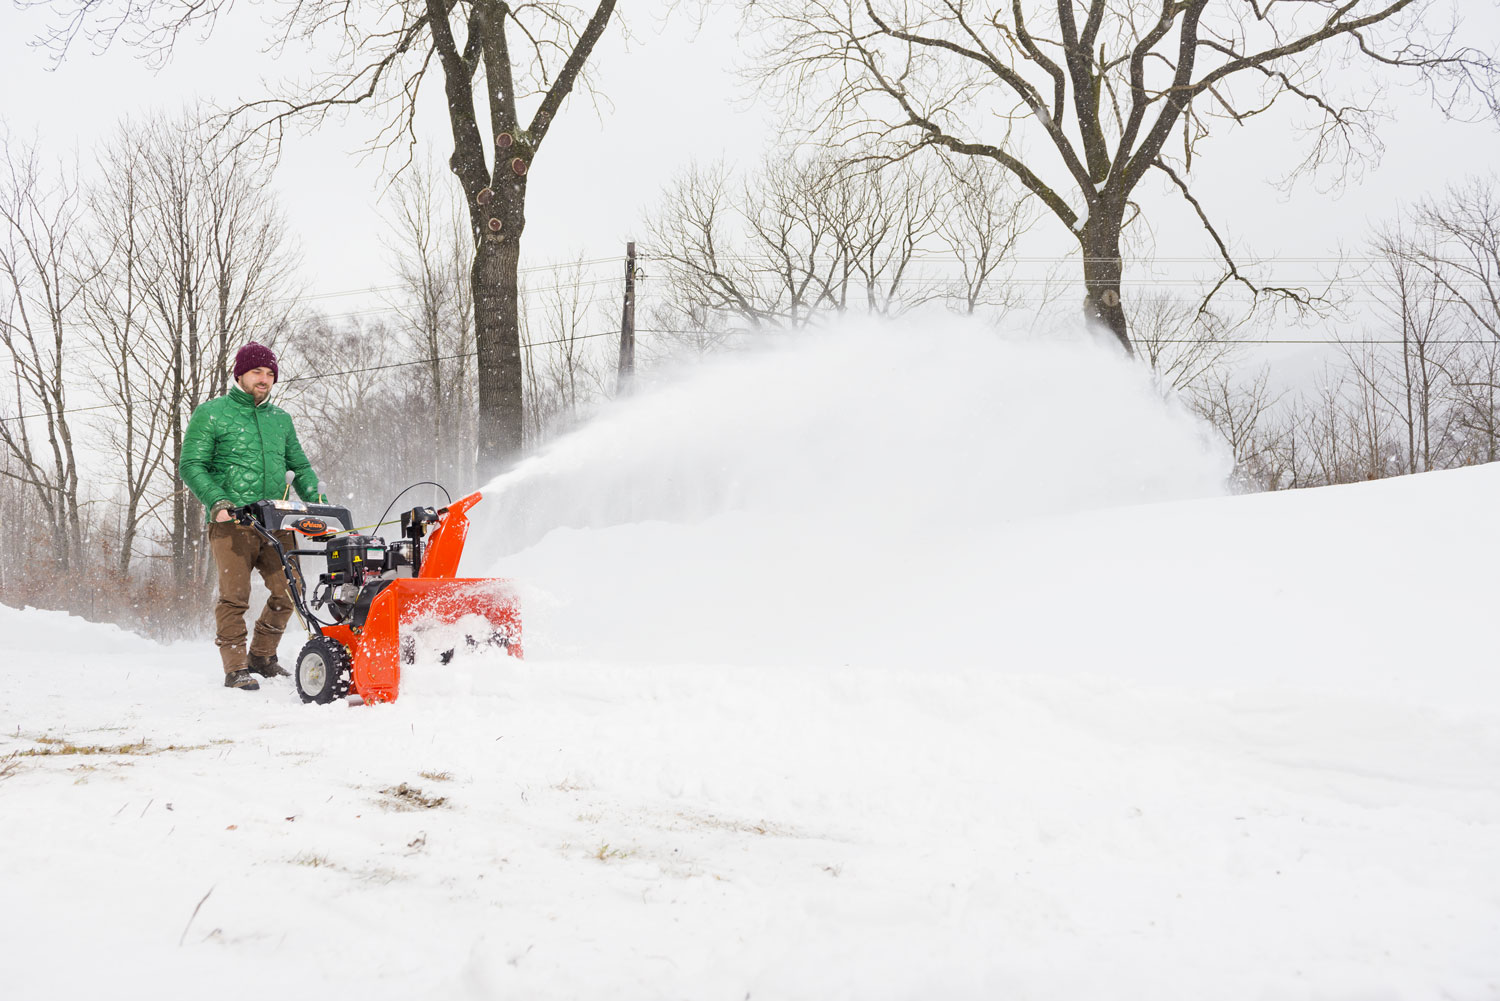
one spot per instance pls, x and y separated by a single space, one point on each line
312 861
405 797
61 746
605 852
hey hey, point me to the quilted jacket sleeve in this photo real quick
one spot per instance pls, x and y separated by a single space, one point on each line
197 453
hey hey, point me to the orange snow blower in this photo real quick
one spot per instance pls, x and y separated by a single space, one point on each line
380 596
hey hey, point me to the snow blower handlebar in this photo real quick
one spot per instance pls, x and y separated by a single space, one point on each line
358 565
313 520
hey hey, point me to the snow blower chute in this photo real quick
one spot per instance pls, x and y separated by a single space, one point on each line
379 595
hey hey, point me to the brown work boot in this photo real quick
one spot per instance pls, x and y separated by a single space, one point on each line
241 679
267 667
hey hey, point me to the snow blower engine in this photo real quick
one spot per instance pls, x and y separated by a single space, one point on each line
380 596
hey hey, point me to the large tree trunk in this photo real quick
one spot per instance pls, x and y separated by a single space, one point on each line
496 199
497 328
498 218
1103 268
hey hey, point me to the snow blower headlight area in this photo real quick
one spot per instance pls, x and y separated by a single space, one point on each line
373 595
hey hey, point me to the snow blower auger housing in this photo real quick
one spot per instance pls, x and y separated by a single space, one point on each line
377 593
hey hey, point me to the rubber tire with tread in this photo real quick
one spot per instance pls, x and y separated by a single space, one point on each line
322 672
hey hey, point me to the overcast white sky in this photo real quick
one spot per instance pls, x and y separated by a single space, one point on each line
672 94
668 96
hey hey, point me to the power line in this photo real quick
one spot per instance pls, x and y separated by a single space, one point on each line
382 310
923 281
1140 341
1317 340
375 289
1126 259
742 331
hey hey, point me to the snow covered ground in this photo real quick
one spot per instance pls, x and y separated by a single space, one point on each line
892 665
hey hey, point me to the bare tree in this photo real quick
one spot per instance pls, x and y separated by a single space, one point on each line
1081 100
565 372
1475 391
116 314
39 294
1440 283
982 219
1328 447
1368 417
354 397
1185 346
1414 301
1457 242
693 236
819 234
1237 411
1279 462
252 261
432 255
216 271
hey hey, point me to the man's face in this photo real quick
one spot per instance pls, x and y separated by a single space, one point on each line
258 382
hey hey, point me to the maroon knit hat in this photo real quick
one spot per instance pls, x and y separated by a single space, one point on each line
255 355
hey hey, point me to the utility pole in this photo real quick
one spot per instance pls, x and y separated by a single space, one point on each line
626 373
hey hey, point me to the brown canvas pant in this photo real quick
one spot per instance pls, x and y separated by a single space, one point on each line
237 550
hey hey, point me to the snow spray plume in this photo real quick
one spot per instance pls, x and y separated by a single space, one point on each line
932 426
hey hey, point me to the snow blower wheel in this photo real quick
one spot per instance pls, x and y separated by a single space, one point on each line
322 670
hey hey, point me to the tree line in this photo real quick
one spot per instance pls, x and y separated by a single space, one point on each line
1416 388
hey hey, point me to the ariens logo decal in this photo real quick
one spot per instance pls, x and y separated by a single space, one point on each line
311 526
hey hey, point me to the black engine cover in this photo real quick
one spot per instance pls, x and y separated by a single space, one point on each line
355 558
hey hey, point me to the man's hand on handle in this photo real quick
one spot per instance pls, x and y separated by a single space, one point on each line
224 511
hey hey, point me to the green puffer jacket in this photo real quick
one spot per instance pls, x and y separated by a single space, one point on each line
236 453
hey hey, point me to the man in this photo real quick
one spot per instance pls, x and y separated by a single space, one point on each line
238 450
